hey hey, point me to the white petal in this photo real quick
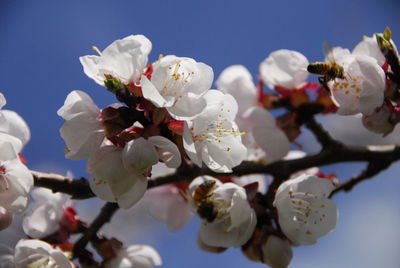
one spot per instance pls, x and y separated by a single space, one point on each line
189 146
168 152
139 155
151 93
286 68
237 81
166 203
15 126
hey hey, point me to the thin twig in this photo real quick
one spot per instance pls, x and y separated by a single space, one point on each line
107 211
372 169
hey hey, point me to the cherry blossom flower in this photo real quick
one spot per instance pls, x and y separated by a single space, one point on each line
382 120
285 68
167 204
14 125
237 81
139 155
264 140
46 212
369 46
263 133
111 181
142 256
37 253
277 253
15 179
213 137
124 59
178 84
363 89
235 220
82 130
305 213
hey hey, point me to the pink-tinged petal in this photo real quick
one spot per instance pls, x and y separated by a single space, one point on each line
168 152
166 204
139 155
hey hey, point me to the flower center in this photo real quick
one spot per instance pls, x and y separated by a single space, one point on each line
217 130
177 81
307 211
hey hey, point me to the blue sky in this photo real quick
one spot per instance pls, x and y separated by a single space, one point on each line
42 40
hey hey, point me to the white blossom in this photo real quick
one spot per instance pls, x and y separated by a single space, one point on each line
235 220
140 154
285 68
37 253
14 125
15 179
178 84
237 81
213 137
304 211
369 46
82 131
167 204
262 132
141 256
124 59
111 181
362 90
45 212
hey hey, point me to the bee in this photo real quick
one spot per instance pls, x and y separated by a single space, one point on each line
207 208
330 70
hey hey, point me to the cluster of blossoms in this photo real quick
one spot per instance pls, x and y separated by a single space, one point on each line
168 114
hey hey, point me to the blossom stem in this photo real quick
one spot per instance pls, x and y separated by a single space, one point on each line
107 211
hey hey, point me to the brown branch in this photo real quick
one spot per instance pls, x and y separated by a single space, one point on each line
77 188
107 211
281 170
322 135
372 169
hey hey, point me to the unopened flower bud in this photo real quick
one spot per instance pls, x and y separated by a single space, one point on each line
277 252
